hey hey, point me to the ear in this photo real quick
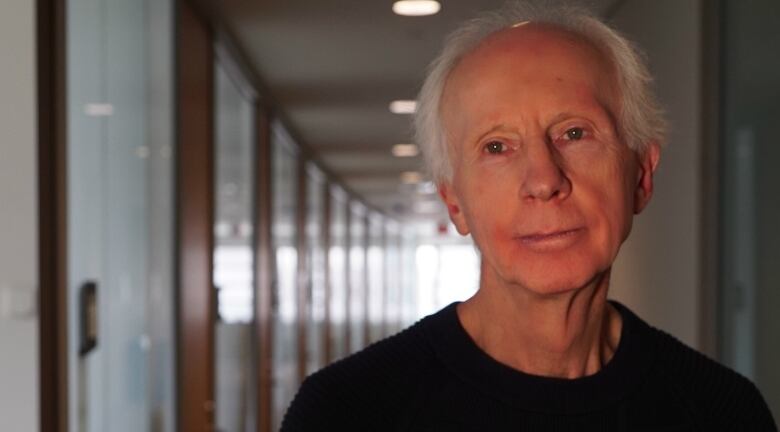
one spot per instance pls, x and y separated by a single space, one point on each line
648 162
453 207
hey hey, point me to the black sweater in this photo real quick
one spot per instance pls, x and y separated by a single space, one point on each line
433 377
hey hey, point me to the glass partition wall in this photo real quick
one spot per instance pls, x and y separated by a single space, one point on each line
393 277
375 266
120 215
234 253
749 233
314 281
337 273
341 275
409 311
284 232
357 277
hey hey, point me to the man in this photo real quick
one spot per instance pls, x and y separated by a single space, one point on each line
542 134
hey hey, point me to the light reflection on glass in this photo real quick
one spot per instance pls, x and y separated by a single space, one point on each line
338 311
233 278
286 263
315 269
445 273
337 273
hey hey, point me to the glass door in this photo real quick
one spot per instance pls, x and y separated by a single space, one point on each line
120 215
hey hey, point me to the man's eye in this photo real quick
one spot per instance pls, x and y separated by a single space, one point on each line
495 147
575 133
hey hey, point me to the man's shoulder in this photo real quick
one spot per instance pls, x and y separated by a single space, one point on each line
376 384
400 355
714 393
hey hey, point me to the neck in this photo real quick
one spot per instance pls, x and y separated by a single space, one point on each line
567 335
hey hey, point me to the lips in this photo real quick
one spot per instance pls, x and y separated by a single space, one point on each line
551 238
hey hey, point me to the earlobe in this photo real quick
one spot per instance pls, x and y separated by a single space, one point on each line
648 162
453 207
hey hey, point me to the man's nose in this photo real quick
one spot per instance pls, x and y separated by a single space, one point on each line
543 176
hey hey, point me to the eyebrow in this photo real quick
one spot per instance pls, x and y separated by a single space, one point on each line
498 127
556 119
563 116
585 111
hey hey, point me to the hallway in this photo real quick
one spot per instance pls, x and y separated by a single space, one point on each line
204 202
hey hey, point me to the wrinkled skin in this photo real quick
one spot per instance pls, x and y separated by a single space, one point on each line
542 180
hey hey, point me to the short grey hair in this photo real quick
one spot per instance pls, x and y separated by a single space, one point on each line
640 120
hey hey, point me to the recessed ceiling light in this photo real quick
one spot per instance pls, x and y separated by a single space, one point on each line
405 150
416 7
411 177
403 106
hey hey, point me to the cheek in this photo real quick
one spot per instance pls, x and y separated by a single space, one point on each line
612 211
626 193
606 202
485 195
489 212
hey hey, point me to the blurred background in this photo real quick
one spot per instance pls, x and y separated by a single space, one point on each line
202 202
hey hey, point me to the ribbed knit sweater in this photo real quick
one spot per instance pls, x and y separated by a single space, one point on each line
433 377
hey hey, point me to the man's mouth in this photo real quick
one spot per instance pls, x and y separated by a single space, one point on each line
551 239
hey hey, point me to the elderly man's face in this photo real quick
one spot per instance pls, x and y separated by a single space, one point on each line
541 178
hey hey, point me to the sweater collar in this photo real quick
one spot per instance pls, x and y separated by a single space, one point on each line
611 384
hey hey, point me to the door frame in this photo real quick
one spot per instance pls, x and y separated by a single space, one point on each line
52 215
709 301
195 312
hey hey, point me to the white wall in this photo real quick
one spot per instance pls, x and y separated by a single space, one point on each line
18 218
657 273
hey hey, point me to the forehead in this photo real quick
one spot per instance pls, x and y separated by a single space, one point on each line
532 54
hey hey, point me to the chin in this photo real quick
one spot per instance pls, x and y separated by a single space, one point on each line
554 280
547 273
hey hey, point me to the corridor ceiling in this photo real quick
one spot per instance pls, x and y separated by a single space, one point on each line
333 67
